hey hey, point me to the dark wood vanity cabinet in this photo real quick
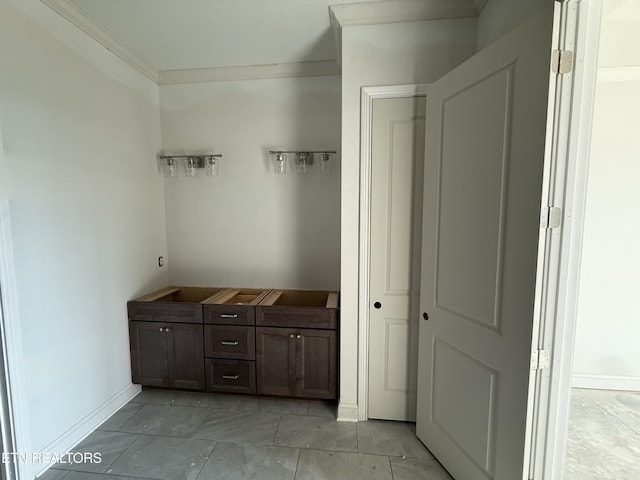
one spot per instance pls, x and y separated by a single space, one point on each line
165 337
296 362
296 344
167 354
270 342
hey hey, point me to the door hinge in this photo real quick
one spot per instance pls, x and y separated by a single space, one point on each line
540 360
551 217
562 61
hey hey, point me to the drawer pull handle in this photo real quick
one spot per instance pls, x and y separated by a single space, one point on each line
225 315
225 342
231 377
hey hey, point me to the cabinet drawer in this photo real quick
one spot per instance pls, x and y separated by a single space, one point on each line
237 376
297 317
165 312
229 314
229 341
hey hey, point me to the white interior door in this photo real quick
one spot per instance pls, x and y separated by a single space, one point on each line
397 164
484 162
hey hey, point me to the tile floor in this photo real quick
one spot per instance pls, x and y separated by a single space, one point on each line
164 435
604 436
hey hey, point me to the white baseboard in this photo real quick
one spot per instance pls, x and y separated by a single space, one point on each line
605 382
69 439
347 412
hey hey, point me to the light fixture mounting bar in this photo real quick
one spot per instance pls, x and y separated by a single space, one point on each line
217 155
274 152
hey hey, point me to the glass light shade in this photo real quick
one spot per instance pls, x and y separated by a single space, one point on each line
304 163
280 163
169 168
190 167
325 163
212 166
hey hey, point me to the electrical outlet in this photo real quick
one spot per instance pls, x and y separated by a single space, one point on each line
161 261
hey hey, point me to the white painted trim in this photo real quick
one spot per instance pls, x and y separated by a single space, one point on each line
84 22
336 31
11 330
367 96
605 382
347 412
568 190
629 73
248 72
393 11
69 439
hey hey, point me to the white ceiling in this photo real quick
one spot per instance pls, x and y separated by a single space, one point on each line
184 34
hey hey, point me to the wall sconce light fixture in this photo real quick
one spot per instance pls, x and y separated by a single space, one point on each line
192 163
279 163
304 160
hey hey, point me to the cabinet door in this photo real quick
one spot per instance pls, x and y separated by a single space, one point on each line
148 344
275 361
185 356
316 363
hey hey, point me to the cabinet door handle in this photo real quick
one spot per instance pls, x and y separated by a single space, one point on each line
298 336
161 329
231 377
226 315
168 329
291 336
225 342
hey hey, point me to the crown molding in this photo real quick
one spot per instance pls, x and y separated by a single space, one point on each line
248 72
395 11
88 25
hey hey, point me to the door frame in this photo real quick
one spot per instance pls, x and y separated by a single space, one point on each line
367 96
566 187
13 419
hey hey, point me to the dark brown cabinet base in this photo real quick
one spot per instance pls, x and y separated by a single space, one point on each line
296 362
197 338
167 354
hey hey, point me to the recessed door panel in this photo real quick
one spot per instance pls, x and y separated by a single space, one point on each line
468 421
469 254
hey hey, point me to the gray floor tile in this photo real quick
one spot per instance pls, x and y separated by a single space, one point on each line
417 469
109 445
166 458
116 420
316 432
99 476
166 420
158 397
390 438
319 408
239 426
275 405
207 400
234 461
53 474
321 465
599 445
624 406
